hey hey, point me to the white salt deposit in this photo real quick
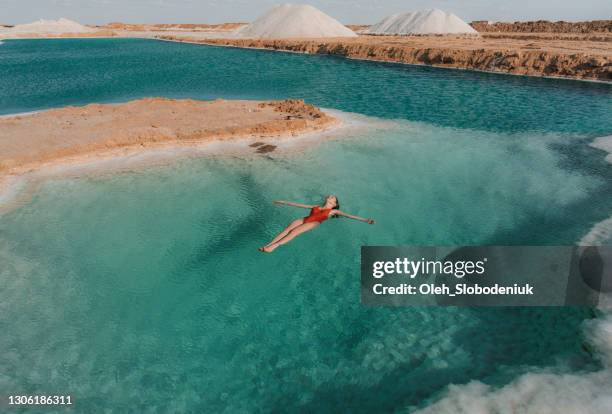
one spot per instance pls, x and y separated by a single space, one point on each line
542 392
605 144
422 22
292 21
547 391
51 26
601 233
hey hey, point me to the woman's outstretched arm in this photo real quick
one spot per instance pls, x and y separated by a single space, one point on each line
288 203
343 214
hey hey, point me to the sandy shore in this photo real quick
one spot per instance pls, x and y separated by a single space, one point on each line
96 34
575 55
28 142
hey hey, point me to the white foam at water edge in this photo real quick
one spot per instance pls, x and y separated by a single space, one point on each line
541 392
10 189
601 233
605 144
549 392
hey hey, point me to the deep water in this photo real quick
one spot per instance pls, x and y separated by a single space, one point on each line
79 71
145 290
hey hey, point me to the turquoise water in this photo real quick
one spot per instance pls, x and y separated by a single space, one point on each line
83 71
144 290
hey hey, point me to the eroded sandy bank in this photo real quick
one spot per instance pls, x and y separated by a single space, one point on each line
28 142
95 34
581 58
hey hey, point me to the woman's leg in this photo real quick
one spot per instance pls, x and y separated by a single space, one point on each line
302 228
283 233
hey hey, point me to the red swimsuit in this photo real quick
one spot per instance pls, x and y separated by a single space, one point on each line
318 214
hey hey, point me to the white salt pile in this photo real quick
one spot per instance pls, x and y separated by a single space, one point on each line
51 26
422 22
292 21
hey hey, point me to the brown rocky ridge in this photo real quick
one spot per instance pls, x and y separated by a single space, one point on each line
545 26
525 55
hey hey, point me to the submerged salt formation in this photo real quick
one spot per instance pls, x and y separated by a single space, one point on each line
294 21
422 22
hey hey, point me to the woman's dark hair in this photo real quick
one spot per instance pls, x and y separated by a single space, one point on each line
336 207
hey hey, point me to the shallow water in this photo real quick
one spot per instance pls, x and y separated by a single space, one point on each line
144 290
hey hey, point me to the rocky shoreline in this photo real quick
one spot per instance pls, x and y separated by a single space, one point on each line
532 56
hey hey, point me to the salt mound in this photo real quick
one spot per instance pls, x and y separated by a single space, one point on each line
51 26
422 22
294 20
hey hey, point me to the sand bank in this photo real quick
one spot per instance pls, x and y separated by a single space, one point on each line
76 35
222 27
28 142
577 57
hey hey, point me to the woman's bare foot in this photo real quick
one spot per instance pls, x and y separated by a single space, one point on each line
267 249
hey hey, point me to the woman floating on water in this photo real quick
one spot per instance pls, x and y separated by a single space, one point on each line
318 214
